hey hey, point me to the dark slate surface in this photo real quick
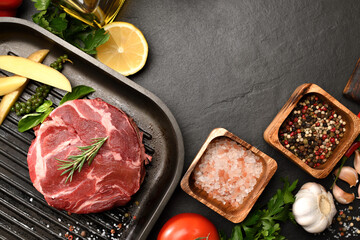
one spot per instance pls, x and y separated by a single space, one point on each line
234 64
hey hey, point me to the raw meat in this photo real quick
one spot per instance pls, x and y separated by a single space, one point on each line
114 175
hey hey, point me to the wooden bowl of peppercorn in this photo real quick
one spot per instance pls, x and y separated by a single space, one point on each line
313 129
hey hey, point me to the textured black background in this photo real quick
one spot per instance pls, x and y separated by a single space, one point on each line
234 64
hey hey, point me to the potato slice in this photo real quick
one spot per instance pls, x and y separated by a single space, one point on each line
10 84
9 99
36 71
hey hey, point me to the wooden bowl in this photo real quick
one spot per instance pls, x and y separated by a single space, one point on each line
271 134
234 214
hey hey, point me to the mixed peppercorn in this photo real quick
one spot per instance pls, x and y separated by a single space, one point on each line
312 130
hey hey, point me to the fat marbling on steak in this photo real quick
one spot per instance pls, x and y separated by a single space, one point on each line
113 176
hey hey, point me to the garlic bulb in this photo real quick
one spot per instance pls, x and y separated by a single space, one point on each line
313 208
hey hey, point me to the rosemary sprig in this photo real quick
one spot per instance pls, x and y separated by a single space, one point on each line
76 162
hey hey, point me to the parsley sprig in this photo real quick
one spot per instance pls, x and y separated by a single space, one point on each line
76 162
263 223
79 34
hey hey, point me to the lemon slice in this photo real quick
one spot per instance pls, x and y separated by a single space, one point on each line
126 50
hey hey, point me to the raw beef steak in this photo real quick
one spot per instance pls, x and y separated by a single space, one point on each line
114 175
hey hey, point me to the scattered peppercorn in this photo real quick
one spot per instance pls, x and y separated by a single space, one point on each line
83 233
312 130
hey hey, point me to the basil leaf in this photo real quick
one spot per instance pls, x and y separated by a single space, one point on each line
45 106
30 121
77 92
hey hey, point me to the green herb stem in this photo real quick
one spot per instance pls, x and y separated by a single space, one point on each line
343 160
76 162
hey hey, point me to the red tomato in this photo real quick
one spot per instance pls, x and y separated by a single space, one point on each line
188 226
8 7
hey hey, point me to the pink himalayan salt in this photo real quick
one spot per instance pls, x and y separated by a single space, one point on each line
227 171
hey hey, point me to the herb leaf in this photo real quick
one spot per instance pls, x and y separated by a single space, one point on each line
44 107
59 24
76 162
93 40
72 30
77 92
41 4
31 120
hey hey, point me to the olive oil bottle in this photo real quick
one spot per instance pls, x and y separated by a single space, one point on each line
96 13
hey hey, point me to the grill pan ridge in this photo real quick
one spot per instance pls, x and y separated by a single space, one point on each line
24 214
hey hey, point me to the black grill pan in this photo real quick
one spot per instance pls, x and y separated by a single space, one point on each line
24 214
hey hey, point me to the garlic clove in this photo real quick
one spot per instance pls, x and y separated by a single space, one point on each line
358 197
341 196
303 210
348 174
357 161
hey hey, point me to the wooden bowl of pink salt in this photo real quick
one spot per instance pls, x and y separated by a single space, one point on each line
228 175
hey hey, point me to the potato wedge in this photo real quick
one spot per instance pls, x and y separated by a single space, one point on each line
10 84
36 71
9 99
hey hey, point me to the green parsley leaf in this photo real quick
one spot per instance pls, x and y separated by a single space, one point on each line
72 30
58 24
91 40
41 4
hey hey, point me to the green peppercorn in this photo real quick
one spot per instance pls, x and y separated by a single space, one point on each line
28 109
17 106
